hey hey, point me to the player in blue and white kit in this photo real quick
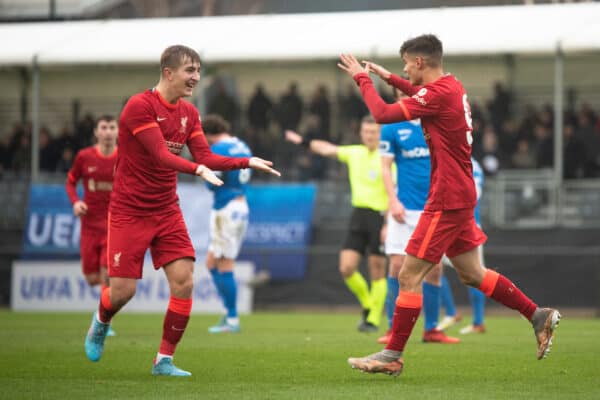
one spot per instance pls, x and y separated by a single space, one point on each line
476 297
404 144
228 219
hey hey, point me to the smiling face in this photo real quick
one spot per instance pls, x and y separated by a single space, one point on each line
180 69
184 78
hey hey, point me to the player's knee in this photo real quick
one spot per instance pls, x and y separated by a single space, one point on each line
183 286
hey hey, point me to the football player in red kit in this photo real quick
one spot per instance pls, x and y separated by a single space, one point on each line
95 165
447 225
144 212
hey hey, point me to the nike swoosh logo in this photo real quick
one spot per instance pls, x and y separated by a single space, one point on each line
160 118
177 329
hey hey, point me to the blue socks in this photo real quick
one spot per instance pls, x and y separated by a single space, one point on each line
431 305
227 289
390 301
477 299
446 297
229 293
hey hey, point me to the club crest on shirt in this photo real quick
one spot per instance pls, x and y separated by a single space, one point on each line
183 124
117 259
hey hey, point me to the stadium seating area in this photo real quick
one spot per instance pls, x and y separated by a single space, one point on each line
506 137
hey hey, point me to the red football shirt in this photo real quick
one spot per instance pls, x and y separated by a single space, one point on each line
97 172
146 173
445 117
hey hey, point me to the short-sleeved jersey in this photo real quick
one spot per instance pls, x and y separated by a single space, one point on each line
141 186
97 171
404 142
235 181
446 121
364 172
479 179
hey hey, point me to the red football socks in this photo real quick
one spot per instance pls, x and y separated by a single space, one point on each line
105 309
501 289
176 319
408 308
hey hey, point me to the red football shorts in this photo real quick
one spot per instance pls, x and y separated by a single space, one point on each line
92 249
450 232
129 237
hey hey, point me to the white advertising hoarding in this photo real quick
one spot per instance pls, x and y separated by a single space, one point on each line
60 286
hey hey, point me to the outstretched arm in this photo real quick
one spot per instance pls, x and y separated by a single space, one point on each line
392 79
201 152
320 147
152 140
382 112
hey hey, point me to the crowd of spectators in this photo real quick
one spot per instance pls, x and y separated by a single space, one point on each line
57 151
504 137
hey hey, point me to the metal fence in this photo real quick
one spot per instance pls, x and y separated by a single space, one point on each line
526 199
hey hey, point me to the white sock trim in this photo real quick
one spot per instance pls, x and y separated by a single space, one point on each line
160 356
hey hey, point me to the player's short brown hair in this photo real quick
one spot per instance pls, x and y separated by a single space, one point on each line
213 124
174 56
367 119
106 118
428 46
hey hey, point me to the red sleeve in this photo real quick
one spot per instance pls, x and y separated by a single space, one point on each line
422 104
382 112
138 115
201 152
153 142
197 126
403 85
72 179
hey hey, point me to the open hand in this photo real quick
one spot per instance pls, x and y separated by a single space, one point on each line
263 165
208 175
350 64
377 70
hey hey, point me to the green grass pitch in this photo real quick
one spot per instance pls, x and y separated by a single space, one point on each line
291 356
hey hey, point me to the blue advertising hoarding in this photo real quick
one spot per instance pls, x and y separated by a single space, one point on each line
279 232
278 235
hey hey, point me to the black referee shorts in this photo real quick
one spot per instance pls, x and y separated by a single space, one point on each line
364 232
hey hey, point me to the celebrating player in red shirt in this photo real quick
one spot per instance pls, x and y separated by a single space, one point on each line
96 166
447 225
144 211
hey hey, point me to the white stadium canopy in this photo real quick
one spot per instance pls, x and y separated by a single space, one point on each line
464 31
